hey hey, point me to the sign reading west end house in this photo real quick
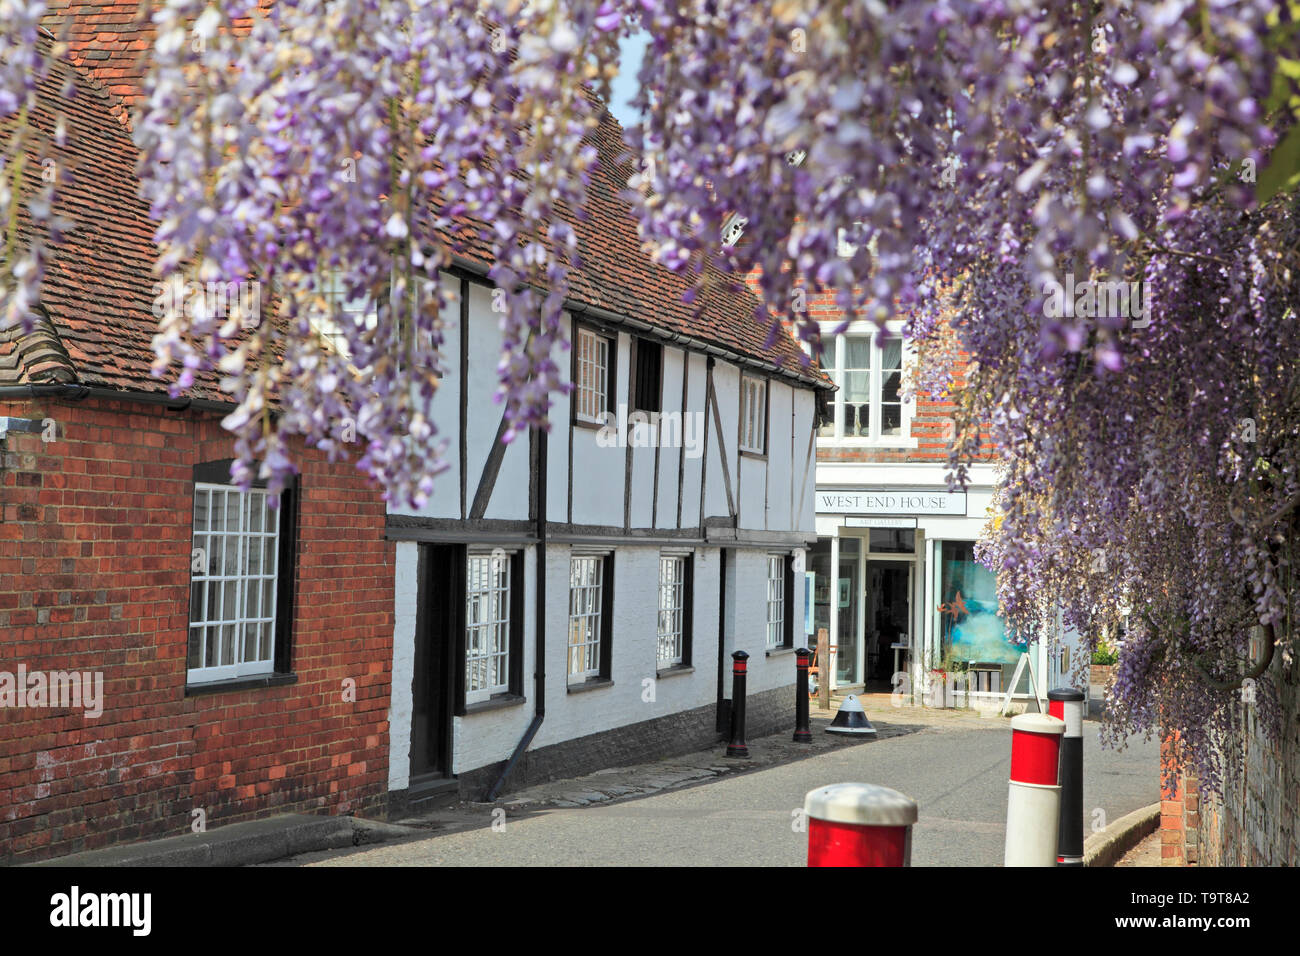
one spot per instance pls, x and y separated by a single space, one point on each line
891 502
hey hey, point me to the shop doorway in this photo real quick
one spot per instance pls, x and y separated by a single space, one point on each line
863 593
887 606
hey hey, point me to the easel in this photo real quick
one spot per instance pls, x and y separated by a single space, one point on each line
1026 661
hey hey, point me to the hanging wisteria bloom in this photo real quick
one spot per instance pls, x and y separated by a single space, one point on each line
1083 198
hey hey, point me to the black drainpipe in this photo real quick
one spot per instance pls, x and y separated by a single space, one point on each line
724 705
539 703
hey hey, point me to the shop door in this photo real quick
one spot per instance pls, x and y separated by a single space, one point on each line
888 597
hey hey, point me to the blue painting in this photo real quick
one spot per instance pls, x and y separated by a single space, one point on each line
968 614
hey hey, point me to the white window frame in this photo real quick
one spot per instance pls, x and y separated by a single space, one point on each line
265 533
362 312
586 612
753 414
776 600
876 387
672 609
594 354
488 583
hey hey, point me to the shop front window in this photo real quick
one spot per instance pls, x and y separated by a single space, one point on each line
970 630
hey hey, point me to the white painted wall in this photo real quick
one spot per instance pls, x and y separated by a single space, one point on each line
746 622
406 593
489 737
726 390
693 476
445 500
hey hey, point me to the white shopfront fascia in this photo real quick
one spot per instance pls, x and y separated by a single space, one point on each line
890 502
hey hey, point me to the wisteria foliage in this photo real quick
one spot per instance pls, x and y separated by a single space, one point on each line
948 162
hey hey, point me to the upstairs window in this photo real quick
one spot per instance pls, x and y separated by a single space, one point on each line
647 376
342 310
753 415
592 376
868 404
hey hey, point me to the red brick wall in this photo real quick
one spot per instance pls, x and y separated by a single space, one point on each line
95 538
1179 811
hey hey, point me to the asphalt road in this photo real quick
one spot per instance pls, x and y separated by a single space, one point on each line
958 776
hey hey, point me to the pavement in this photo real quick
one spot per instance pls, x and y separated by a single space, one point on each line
1146 853
703 809
239 844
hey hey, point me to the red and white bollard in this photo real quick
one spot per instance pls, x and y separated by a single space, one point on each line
1034 800
859 824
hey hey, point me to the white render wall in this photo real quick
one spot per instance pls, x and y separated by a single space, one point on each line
406 593
491 736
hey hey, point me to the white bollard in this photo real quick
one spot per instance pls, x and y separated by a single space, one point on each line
1034 797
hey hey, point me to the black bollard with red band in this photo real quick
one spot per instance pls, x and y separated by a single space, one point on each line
737 747
802 730
1066 703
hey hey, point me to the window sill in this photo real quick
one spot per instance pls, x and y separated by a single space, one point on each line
868 443
674 670
780 651
495 702
760 455
240 683
593 683
588 423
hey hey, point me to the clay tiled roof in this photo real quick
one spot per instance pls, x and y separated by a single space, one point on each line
99 290
98 293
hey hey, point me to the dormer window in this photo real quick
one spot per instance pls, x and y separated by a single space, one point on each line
647 375
753 415
342 309
733 229
591 376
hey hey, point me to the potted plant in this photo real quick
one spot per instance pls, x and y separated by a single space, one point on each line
943 692
1102 669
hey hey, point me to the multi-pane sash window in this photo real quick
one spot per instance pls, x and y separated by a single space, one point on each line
753 415
672 608
776 600
232 583
586 605
343 310
591 376
487 626
869 403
